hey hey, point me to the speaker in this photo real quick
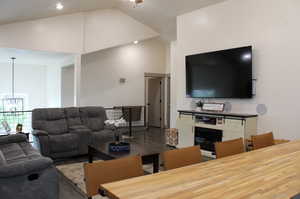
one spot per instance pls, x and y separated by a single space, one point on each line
261 109
227 107
193 105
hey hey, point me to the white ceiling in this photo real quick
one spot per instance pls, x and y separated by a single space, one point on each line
41 58
161 14
158 14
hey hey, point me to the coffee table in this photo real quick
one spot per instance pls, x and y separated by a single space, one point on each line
147 144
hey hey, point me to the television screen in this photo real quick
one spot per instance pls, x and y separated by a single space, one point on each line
220 74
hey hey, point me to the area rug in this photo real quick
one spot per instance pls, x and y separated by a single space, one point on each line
74 172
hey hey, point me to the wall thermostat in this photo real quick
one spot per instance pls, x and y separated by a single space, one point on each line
122 80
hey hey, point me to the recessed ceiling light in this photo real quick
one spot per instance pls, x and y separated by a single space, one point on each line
59 6
136 42
136 2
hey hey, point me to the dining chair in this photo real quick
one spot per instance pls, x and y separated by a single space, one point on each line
182 157
228 148
296 196
263 140
102 172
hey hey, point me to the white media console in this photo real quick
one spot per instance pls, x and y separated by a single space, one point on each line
206 128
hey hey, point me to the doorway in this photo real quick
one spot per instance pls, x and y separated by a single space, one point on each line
157 100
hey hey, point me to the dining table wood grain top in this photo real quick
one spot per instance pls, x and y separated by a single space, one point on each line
269 173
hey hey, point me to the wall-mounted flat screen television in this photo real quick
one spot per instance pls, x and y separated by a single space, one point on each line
220 74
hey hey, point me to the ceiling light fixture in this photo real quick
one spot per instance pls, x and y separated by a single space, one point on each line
136 2
13 103
59 6
136 42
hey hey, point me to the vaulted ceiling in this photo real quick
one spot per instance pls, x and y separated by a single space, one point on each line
158 14
32 57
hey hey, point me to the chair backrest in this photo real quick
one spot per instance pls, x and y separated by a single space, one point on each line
261 141
103 172
182 157
93 117
228 148
52 120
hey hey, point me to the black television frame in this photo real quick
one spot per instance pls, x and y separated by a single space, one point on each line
188 95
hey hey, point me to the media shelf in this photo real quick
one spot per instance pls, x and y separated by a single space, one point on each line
206 128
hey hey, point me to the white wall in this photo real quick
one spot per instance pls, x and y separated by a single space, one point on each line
110 28
53 86
39 84
102 70
67 86
168 58
75 33
271 27
173 69
58 34
30 82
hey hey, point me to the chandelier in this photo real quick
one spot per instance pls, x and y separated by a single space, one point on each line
12 103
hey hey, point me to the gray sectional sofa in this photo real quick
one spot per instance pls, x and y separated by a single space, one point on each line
24 173
66 132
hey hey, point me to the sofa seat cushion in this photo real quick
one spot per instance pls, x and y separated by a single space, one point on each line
63 143
30 152
12 151
93 117
95 123
81 131
73 116
17 152
56 127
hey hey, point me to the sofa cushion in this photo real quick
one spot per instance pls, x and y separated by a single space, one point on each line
95 124
73 116
13 138
77 127
18 152
80 129
102 136
93 117
63 143
52 120
56 127
55 114
2 159
12 151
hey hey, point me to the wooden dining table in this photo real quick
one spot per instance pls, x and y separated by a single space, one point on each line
269 173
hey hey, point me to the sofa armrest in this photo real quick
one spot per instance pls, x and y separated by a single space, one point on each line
25 168
42 140
13 138
39 133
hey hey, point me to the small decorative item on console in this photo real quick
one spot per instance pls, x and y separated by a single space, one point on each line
6 126
200 104
215 107
19 128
